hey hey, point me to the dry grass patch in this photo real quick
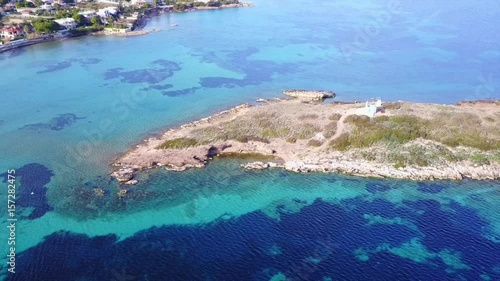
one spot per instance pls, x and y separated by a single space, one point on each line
330 129
308 116
178 143
335 117
450 128
465 129
314 143
259 126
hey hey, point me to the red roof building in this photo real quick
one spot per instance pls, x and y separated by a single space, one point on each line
12 32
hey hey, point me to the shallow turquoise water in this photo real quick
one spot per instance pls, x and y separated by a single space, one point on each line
72 106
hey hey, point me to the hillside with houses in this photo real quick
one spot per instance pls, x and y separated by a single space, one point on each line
26 22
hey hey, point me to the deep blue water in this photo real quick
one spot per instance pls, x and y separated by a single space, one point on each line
256 247
366 235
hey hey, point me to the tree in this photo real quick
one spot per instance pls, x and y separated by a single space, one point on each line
27 28
179 7
80 19
63 14
45 25
75 12
4 2
96 21
56 6
38 3
213 3
24 4
110 20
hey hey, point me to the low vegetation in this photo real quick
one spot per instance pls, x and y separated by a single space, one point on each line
259 126
330 129
401 134
407 134
314 143
452 129
308 116
178 143
335 117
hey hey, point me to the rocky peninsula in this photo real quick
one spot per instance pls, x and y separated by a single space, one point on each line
309 95
404 140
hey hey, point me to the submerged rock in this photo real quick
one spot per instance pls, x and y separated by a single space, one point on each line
131 182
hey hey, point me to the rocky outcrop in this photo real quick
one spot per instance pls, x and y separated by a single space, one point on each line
453 171
184 167
131 182
258 165
125 173
310 95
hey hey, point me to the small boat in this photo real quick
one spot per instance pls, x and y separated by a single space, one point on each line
174 25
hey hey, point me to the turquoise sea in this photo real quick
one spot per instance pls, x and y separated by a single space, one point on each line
70 107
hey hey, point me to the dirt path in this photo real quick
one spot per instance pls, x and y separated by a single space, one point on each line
340 126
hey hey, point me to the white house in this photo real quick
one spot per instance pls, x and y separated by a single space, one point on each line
68 23
371 107
141 2
47 7
109 1
88 14
12 32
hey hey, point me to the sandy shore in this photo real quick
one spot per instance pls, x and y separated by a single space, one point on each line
299 148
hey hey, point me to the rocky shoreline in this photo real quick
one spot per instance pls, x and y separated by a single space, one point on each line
298 156
360 168
309 95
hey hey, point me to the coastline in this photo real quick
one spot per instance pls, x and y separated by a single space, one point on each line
137 29
303 155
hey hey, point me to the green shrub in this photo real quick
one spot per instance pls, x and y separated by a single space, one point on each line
314 143
335 117
480 159
341 143
181 7
330 129
463 129
396 129
399 165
